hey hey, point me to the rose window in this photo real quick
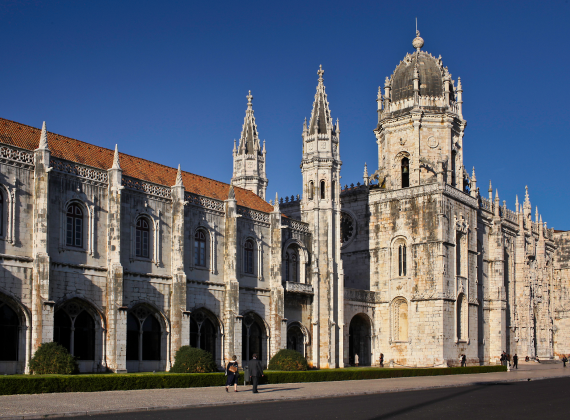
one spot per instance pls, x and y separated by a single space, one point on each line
346 228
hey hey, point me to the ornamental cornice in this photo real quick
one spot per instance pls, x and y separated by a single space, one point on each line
147 187
254 215
82 171
204 202
460 196
16 156
382 196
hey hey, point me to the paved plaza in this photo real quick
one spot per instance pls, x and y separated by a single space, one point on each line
76 404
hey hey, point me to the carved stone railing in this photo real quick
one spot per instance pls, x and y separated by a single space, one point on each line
298 288
79 170
296 225
146 187
486 205
510 215
358 295
205 202
253 214
15 155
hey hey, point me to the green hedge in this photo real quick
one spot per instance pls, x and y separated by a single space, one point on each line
37 384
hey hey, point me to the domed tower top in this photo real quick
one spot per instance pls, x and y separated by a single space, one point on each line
420 81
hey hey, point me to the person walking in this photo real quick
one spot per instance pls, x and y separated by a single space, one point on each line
463 360
255 372
232 373
381 359
356 360
515 361
564 360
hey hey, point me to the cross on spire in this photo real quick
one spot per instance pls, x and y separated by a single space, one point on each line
320 73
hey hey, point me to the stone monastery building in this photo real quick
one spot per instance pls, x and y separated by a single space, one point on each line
122 260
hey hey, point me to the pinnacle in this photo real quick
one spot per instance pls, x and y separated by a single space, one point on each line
116 163
43 138
231 193
179 178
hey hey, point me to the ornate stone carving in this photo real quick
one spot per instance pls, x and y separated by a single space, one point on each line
461 224
298 288
208 203
147 187
347 228
253 215
296 225
79 170
357 295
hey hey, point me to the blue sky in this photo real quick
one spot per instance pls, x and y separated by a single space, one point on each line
167 81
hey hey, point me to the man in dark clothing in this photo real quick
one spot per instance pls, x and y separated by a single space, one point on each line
255 372
564 360
515 361
463 361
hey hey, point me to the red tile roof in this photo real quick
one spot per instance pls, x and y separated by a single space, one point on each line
26 137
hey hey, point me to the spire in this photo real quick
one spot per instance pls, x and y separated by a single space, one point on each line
264 151
321 120
249 139
365 170
536 215
276 204
490 191
116 163
235 148
231 193
517 203
526 197
497 194
43 138
179 178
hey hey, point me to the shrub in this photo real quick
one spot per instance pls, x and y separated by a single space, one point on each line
192 360
53 358
288 360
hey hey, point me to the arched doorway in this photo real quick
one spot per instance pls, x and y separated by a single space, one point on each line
9 333
76 330
296 338
359 340
253 338
144 340
204 333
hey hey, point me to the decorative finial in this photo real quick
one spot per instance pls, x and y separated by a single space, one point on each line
365 170
43 138
517 203
179 177
526 197
418 41
116 163
231 193
249 98
459 88
473 177
490 186
320 73
497 194
276 204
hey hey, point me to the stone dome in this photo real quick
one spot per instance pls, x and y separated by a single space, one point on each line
430 76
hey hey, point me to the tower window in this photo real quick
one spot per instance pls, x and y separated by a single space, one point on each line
200 248
458 254
333 190
402 260
74 235
405 172
453 157
322 190
248 257
142 238
311 190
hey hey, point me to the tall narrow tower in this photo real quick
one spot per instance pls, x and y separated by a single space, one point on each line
320 208
249 156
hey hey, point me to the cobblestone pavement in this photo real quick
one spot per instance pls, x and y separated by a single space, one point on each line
70 404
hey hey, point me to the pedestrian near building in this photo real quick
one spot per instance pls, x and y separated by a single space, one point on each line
564 360
463 360
381 359
255 372
515 361
232 374
356 360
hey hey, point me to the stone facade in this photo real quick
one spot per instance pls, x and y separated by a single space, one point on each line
124 265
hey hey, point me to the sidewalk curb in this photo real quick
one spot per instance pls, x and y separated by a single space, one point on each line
222 403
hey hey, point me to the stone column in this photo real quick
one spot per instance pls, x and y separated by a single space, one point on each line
179 319
115 312
42 307
277 299
232 319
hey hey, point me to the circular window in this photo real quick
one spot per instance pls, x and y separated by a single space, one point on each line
346 228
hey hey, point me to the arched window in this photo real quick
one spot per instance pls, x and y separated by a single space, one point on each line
151 335
461 317
200 248
402 265
248 256
405 172
311 189
400 319
133 332
74 235
323 194
9 325
453 156
252 339
294 267
142 237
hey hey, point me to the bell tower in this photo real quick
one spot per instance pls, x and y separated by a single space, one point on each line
249 156
320 208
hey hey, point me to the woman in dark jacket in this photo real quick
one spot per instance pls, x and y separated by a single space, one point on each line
232 377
